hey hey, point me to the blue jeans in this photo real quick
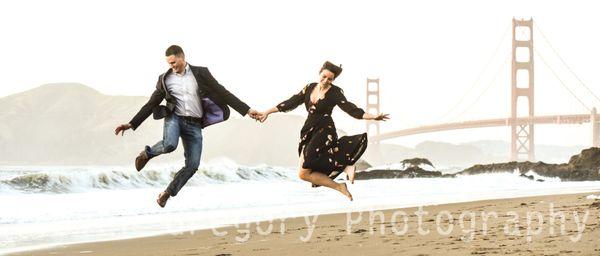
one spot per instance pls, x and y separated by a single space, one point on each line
191 137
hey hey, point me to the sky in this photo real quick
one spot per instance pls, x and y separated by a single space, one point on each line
438 61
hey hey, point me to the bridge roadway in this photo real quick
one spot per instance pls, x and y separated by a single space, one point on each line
554 119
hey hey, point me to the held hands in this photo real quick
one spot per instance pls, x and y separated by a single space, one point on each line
258 116
122 128
261 116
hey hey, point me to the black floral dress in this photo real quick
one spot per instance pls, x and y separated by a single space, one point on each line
323 151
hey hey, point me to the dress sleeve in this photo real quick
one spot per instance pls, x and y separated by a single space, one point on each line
349 107
293 102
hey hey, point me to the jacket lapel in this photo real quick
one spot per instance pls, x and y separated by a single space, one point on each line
202 88
164 84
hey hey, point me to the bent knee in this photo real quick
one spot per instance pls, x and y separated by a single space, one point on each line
304 175
192 166
170 147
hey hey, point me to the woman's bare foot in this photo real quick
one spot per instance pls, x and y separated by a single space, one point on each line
344 189
350 172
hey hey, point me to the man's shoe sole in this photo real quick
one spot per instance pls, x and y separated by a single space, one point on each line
140 162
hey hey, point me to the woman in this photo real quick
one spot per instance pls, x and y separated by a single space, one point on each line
323 156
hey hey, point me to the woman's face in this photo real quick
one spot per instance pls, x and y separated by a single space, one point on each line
326 77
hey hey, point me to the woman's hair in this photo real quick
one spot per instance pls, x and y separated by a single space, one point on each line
331 67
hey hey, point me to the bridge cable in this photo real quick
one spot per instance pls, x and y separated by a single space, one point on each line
564 63
480 74
560 80
485 90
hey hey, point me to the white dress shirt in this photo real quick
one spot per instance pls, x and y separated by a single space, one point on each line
184 88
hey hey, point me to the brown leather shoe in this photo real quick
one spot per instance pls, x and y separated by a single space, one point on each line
141 160
162 198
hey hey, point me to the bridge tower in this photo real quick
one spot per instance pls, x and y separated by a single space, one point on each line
522 134
373 105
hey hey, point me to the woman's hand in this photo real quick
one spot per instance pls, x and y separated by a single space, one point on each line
262 116
382 117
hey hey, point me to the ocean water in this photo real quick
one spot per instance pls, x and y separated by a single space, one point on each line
46 206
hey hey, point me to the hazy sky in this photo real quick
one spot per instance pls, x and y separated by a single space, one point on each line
428 54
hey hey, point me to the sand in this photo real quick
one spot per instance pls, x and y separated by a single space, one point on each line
522 227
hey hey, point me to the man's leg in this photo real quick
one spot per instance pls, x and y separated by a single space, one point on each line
191 136
166 145
171 132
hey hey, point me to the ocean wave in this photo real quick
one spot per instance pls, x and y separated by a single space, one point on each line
80 180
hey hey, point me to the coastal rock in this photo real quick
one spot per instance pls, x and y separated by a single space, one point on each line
410 172
581 167
416 162
411 169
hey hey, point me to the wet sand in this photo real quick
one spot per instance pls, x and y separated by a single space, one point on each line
522 227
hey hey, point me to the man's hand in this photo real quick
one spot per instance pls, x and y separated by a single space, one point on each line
254 114
122 128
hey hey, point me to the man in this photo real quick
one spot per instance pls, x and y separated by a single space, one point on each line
194 100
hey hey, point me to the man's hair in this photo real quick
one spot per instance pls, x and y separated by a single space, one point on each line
174 50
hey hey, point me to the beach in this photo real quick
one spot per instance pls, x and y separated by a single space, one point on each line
523 226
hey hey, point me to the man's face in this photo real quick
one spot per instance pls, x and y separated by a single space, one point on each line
177 63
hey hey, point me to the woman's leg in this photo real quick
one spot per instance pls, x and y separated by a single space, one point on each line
350 171
322 179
